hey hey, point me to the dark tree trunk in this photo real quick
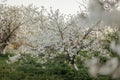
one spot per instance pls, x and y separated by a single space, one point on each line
2 47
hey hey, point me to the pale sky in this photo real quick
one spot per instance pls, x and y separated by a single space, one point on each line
65 6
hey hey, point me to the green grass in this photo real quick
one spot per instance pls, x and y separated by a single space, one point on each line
54 70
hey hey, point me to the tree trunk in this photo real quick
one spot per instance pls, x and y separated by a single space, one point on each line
2 47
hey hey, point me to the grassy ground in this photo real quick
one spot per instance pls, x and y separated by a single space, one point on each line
52 70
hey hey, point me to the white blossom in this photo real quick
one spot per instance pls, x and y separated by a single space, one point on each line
14 58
